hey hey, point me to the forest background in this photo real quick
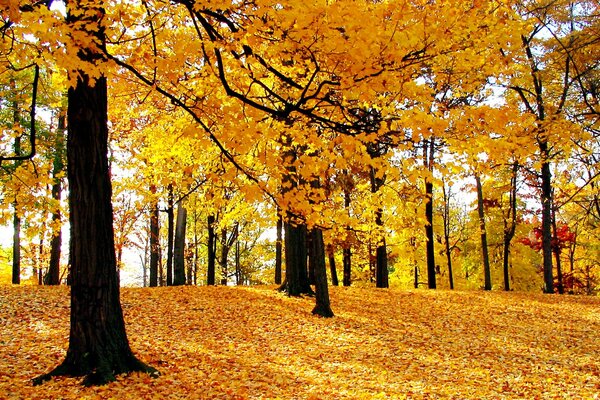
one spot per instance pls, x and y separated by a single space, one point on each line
466 159
218 140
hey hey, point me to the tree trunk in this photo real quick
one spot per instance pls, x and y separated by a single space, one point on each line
278 248
53 275
212 251
483 233
179 247
510 225
557 251
322 306
446 216
296 275
546 199
98 345
332 269
16 262
428 152
347 250
381 261
154 239
170 236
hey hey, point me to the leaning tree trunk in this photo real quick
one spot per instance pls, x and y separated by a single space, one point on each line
98 345
332 269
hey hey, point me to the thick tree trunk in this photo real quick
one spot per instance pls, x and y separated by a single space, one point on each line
212 251
487 277
278 248
179 247
154 240
98 345
296 275
322 306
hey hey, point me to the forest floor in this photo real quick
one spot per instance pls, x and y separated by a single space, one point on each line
253 342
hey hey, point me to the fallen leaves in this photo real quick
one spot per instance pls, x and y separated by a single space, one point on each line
253 343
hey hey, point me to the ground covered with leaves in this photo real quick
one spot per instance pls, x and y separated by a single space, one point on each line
252 343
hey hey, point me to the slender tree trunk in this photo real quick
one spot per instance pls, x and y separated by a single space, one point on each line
428 153
224 256
510 225
347 249
483 233
212 251
547 252
556 249
381 261
53 275
179 247
322 306
16 262
446 216
170 234
154 239
98 345
331 256
278 248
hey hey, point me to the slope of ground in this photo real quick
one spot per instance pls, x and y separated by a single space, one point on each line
251 343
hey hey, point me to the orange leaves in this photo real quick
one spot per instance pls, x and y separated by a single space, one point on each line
253 342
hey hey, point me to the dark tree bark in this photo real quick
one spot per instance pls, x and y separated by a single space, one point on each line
428 153
98 345
446 216
487 285
347 250
16 262
347 264
296 274
322 306
170 234
53 275
547 251
212 251
179 247
332 269
557 251
154 239
510 226
278 248
381 261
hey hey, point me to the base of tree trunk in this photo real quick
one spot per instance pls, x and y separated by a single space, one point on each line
322 311
98 370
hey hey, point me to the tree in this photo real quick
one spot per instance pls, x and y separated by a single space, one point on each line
98 345
485 258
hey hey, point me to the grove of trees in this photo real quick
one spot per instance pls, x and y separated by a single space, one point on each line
388 143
